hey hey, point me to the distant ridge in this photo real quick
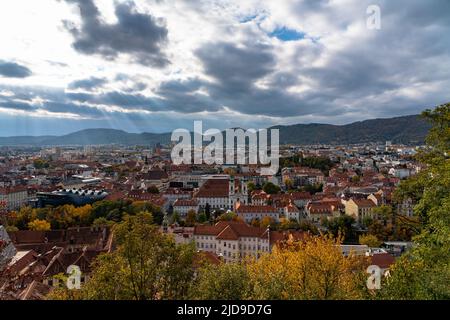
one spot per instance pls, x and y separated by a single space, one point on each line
407 129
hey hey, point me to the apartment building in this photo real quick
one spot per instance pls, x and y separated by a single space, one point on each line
233 240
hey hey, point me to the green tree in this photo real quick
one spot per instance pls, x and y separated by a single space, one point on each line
202 218
424 271
251 187
369 240
147 265
227 281
271 188
341 226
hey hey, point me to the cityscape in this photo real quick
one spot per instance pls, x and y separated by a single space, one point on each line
166 150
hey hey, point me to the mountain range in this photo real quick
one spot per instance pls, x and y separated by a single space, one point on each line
407 129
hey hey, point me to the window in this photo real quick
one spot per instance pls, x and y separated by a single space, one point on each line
224 244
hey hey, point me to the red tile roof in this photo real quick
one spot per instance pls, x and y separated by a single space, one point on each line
383 260
365 203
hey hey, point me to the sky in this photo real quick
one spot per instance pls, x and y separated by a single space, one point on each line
158 65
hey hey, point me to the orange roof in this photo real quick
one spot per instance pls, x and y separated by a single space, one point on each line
365 203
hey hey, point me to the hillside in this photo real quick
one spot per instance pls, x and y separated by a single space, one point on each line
407 129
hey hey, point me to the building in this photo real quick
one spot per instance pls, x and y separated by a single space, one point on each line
14 197
222 192
300 199
316 211
302 176
360 208
323 209
215 193
183 206
251 212
41 256
77 197
234 240
7 249
291 212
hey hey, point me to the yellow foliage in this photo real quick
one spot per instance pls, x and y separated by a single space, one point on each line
311 269
39 225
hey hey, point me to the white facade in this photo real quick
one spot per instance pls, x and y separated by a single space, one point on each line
15 199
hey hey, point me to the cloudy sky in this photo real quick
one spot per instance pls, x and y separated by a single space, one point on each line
157 65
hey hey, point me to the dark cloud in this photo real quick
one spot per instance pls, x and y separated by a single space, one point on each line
139 35
88 84
13 70
236 68
12 104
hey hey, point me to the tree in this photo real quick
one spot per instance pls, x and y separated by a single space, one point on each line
423 272
226 281
208 211
39 225
271 188
288 183
101 222
342 226
229 216
147 265
369 240
311 269
191 217
379 230
384 213
251 187
308 226
266 221
202 218
40 164
175 218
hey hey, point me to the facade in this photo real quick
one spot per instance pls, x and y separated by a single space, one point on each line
291 212
15 197
183 206
360 208
222 192
250 212
234 241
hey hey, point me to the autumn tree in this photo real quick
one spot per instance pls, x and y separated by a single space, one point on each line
227 281
266 221
288 183
147 265
311 269
369 240
191 217
39 225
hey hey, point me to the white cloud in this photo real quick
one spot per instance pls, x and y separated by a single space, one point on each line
339 72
